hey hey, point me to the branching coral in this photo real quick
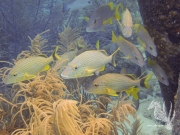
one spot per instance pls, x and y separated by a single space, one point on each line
36 47
47 106
67 115
48 86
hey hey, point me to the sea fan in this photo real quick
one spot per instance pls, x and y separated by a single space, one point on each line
67 118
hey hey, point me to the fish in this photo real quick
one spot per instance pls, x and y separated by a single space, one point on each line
76 4
126 24
158 72
111 83
102 16
145 40
88 63
26 69
65 59
129 50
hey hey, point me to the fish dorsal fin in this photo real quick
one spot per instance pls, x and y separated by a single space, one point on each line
97 45
103 51
116 13
120 38
111 5
132 76
43 55
123 71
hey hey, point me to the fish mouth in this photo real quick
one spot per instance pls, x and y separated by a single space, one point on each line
65 77
90 30
155 54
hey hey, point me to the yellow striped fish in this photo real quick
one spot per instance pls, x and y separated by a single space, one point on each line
112 82
28 68
88 63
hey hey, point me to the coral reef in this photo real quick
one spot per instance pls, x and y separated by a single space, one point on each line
46 105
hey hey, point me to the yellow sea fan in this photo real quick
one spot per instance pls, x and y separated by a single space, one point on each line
98 126
67 118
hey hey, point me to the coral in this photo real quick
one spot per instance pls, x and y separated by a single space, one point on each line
46 105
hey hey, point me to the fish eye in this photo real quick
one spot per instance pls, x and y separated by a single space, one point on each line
14 74
96 85
150 48
136 57
162 78
75 67
95 21
89 1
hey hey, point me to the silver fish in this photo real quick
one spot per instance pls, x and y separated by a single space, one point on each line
76 4
129 50
145 39
102 16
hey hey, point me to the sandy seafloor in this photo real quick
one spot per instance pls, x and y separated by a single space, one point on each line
150 126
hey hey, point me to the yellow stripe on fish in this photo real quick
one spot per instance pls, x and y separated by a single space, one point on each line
28 68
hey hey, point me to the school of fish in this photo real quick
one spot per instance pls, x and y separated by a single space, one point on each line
91 62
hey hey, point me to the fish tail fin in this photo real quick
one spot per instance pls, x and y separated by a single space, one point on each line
65 7
151 62
113 56
114 38
111 5
145 81
116 12
55 56
133 91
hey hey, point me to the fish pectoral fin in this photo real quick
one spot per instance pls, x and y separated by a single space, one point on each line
46 68
101 69
90 71
126 57
133 91
111 92
27 76
108 21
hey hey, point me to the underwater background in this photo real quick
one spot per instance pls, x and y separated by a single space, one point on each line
89 67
